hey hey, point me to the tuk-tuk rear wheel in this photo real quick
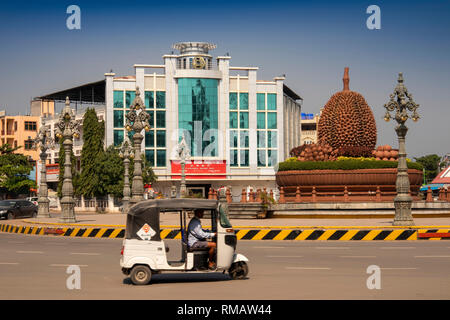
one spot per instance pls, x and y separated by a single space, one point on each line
140 275
238 270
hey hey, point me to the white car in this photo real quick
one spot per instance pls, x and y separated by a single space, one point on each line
34 200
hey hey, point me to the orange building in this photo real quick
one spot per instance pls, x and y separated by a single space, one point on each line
20 131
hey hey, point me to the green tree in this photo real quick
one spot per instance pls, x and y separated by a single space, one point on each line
148 176
111 172
430 164
14 171
92 154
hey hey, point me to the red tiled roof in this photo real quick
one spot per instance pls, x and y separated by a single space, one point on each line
125 78
443 177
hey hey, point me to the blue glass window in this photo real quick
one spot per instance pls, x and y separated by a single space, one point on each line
233 101
118 119
160 119
233 120
243 120
118 99
149 99
261 158
244 139
118 137
261 101
197 112
261 139
272 157
233 138
234 158
129 98
244 158
160 99
261 120
271 101
160 158
161 138
150 139
271 139
243 101
271 120
150 155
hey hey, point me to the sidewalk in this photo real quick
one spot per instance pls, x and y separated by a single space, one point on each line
171 220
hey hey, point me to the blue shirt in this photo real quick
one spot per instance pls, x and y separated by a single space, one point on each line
196 233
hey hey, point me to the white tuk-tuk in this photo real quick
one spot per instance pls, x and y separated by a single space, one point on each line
144 252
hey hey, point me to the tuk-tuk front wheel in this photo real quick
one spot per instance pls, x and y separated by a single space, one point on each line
238 270
140 275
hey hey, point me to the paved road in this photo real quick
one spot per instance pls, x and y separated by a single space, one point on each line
34 267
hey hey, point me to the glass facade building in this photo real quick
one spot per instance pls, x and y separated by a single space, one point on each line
237 127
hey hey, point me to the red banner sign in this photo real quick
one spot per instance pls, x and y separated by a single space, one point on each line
200 169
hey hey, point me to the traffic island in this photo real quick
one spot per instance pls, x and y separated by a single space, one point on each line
352 233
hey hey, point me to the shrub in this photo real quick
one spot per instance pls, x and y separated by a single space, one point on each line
344 164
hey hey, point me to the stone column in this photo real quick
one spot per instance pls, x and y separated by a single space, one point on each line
403 200
67 201
43 202
126 186
137 189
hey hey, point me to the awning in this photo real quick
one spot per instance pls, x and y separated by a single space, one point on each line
433 186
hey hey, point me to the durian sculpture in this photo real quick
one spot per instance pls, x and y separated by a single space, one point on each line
347 123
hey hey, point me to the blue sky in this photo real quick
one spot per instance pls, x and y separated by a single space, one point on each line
311 42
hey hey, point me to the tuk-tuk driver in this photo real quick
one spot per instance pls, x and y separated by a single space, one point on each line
197 237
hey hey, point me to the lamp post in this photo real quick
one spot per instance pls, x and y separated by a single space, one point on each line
184 154
126 153
45 142
67 128
137 120
401 102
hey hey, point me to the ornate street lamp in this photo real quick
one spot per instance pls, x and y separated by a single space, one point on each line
44 141
126 153
67 128
137 120
184 154
401 102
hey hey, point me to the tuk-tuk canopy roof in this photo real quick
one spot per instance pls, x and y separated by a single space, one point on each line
147 212
172 204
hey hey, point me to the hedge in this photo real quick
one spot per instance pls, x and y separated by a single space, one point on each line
342 165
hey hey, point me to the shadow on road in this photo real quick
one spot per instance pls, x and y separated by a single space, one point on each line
185 277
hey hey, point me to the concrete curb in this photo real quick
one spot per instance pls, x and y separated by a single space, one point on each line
297 234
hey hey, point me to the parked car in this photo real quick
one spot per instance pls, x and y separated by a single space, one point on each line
34 200
17 208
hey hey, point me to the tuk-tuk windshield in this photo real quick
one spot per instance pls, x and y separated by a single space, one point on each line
223 219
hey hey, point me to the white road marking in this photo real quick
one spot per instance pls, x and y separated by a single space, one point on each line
284 256
39 252
9 263
66 265
269 247
431 256
388 248
306 268
332 248
16 241
399 268
86 253
357 256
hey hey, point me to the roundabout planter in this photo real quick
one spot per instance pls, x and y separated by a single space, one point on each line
359 184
